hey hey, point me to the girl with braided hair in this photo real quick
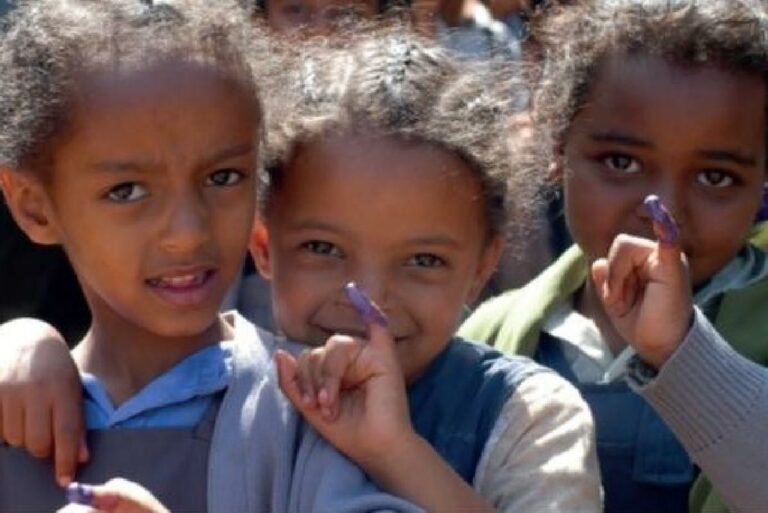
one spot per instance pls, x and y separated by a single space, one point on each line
390 166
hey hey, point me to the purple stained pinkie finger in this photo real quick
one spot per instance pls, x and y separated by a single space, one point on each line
78 493
364 306
667 231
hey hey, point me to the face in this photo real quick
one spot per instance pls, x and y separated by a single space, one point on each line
694 136
405 221
314 17
151 193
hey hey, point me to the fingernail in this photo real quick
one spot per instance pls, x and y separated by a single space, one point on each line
367 309
64 481
667 232
79 493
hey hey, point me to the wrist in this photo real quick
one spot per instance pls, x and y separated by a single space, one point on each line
658 357
385 457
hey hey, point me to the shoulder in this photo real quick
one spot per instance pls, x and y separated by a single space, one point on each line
513 320
541 454
487 319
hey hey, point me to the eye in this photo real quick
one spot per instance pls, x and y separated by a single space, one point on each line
428 260
224 178
127 192
321 247
622 163
715 178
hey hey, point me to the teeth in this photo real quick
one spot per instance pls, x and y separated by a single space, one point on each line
179 282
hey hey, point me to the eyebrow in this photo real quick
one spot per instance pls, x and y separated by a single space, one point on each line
718 155
729 156
135 165
620 138
430 240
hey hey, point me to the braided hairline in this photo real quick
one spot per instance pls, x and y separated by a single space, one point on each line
391 83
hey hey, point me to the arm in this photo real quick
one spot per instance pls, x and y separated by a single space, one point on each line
541 454
713 399
716 402
355 397
40 395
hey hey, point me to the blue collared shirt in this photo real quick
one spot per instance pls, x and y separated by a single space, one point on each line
176 398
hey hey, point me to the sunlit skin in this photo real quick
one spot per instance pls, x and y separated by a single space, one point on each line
694 136
314 17
152 192
405 221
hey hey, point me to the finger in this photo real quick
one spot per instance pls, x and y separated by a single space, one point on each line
82 453
38 430
69 440
600 280
341 353
287 370
13 422
315 372
627 257
304 379
380 337
287 377
122 495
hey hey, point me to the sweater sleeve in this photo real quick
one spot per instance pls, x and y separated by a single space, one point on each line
716 402
541 454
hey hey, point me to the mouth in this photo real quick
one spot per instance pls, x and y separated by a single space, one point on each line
356 333
184 287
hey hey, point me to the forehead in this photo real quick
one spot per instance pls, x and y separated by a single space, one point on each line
705 103
382 177
166 111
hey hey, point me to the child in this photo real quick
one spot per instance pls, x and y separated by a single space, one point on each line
639 98
389 166
130 136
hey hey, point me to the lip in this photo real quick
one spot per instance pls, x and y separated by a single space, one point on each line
184 286
329 332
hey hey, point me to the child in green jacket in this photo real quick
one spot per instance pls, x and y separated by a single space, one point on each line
637 99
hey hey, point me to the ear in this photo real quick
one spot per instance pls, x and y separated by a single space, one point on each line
556 168
28 202
259 248
489 260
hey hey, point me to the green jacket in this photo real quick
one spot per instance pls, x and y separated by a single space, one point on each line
512 323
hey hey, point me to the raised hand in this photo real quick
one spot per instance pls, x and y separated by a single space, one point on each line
646 290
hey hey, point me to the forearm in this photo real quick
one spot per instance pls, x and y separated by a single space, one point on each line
415 471
716 402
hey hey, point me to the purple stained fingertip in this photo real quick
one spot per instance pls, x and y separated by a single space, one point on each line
370 313
667 232
79 493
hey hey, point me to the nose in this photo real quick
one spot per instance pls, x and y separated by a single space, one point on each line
374 284
186 223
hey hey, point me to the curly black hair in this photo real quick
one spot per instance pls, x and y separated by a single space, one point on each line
46 45
728 34
389 82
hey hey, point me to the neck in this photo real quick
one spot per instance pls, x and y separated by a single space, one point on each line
589 305
126 357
